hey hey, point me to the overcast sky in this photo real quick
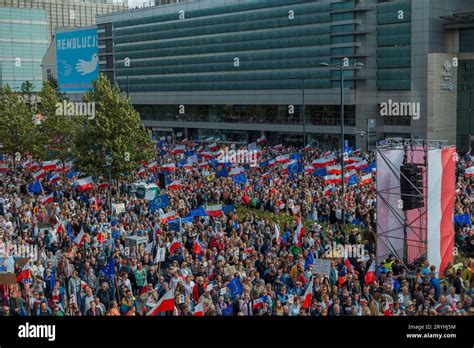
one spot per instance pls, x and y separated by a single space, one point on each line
135 3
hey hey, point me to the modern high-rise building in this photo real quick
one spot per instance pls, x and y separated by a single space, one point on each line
23 43
69 13
235 69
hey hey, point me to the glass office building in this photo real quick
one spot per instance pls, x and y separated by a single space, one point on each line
235 69
23 43
69 13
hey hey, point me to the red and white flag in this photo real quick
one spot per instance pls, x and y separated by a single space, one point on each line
175 185
283 158
178 149
214 210
153 165
366 179
48 199
25 273
49 165
370 275
213 147
38 175
85 184
334 169
262 139
298 233
440 200
332 179
171 215
308 169
3 167
277 234
199 310
258 303
278 147
353 159
55 178
308 295
165 304
324 162
356 152
80 237
469 172
361 164
169 168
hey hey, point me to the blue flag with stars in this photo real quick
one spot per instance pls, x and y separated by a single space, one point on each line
109 268
235 287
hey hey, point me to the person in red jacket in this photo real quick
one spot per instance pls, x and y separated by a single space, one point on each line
198 289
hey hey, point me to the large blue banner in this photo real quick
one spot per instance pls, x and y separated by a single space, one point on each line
77 59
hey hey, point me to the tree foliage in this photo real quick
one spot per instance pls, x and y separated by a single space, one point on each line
115 131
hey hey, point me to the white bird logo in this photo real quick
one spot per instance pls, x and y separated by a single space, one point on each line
86 67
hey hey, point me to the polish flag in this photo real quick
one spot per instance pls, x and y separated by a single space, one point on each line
308 169
204 165
353 160
175 185
197 247
48 199
366 179
199 310
207 155
332 179
153 165
103 185
85 184
327 190
55 178
370 275
33 166
214 210
323 162
49 165
440 205
308 147
213 147
283 158
80 237
25 273
334 170
141 171
278 147
38 175
165 304
361 164
170 167
258 303
356 152
178 149
271 163
262 139
298 233
236 171
347 263
175 244
308 295
3 167
171 215
469 172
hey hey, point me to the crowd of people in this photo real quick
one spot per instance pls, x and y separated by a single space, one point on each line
225 251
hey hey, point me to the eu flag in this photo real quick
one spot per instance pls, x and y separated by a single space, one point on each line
161 201
228 208
222 173
109 268
235 287
35 187
198 212
309 261
320 172
240 178
294 168
295 156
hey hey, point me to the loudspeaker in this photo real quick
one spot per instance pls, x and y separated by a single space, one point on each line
161 181
411 186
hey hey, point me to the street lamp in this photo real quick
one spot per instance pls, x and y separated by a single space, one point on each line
108 160
344 65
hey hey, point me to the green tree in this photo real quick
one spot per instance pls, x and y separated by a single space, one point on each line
17 130
57 131
115 131
27 89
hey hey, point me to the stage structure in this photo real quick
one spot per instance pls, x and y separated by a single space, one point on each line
415 201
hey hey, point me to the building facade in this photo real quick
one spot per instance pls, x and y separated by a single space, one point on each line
69 13
235 69
23 43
